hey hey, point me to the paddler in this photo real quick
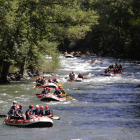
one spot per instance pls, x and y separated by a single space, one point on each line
13 111
72 75
80 75
36 110
61 89
20 111
42 111
48 112
55 81
50 80
57 92
29 112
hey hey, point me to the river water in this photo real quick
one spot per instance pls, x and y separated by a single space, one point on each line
103 108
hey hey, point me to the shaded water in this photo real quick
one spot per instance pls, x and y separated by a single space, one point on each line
103 108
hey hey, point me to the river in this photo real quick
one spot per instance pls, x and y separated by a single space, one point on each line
103 108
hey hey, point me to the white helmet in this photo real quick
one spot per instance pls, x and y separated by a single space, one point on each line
37 106
14 102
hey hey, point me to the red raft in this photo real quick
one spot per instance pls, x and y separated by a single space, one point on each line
43 121
50 97
112 74
76 80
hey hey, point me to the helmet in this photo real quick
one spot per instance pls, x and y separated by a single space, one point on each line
37 106
31 106
41 107
49 88
50 79
36 78
46 106
14 102
80 73
21 105
54 79
70 73
44 88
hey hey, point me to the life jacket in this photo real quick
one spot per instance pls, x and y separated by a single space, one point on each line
20 112
39 81
30 111
42 113
36 111
47 112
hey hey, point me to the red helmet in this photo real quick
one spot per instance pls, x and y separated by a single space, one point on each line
46 106
41 107
80 73
21 105
70 73
54 79
36 78
31 106
44 88
47 87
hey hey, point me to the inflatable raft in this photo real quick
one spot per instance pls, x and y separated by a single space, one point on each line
50 97
68 56
50 85
112 74
76 80
43 121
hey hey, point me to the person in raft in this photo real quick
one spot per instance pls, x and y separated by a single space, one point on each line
61 89
50 80
72 75
13 111
48 112
57 92
36 110
80 75
29 112
42 111
20 111
55 81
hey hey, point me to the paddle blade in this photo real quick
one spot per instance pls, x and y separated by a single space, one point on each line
1 116
55 118
34 86
64 95
59 85
69 97
85 78
66 77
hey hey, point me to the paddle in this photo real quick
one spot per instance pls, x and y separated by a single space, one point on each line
34 86
39 96
1 116
59 85
68 97
55 118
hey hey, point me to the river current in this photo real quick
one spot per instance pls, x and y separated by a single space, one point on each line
103 107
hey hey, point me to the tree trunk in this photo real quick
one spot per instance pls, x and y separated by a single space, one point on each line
5 72
23 68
